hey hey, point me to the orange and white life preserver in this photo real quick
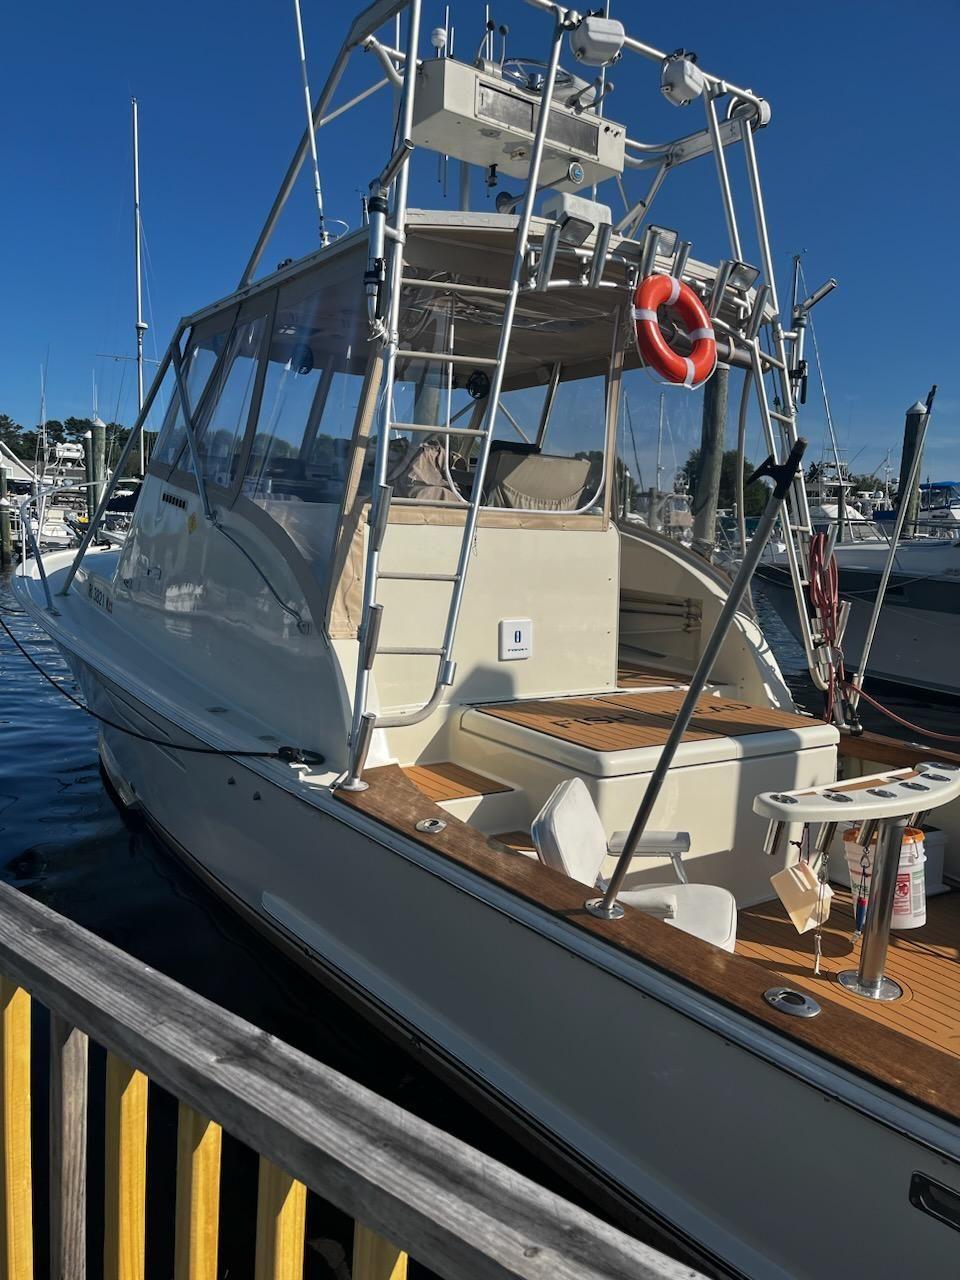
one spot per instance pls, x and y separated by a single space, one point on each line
667 291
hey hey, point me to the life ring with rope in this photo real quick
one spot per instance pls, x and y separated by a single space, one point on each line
667 291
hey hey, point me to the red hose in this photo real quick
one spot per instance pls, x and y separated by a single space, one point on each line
825 598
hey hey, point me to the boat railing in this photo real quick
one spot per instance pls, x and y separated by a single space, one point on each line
409 1188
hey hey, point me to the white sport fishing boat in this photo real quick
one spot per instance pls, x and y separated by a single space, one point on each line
917 629
391 680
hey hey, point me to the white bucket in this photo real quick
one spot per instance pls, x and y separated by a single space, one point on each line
910 901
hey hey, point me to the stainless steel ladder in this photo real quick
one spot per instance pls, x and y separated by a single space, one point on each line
364 721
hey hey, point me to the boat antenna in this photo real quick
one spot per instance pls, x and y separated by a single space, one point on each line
311 130
139 324
40 462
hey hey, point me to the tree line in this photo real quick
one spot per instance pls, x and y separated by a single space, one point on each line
24 442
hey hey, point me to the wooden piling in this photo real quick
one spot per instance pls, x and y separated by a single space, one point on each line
6 526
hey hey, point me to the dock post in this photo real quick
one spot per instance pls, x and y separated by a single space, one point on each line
712 432
911 442
6 537
98 433
90 501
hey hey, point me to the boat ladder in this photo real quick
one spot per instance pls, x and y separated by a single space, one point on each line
364 721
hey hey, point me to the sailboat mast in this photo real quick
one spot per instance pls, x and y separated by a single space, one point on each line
660 444
140 327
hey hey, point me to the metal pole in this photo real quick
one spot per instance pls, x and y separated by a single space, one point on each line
311 127
722 175
118 469
660 443
868 980
293 169
742 457
6 539
140 327
363 724
858 679
607 907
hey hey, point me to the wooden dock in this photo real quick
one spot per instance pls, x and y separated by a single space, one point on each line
411 1190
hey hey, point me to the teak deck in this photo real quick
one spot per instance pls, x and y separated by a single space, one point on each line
915 1069
627 721
926 963
447 781
631 676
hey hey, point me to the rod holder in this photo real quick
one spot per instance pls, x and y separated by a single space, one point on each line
775 841
720 282
825 837
548 253
361 749
868 832
680 258
599 259
371 635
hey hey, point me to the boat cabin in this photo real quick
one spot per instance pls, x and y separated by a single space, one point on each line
575 637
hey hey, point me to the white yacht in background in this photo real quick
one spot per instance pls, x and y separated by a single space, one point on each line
376 660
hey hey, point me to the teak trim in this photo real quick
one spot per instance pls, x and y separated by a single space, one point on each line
910 1069
879 749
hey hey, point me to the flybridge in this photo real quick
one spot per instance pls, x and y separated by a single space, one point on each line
460 315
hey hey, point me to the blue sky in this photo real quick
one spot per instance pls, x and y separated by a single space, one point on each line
859 164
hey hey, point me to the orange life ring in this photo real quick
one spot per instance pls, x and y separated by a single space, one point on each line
667 291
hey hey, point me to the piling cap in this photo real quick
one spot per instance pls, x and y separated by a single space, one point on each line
919 407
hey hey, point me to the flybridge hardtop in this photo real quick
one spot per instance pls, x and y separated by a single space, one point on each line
397 381
377 659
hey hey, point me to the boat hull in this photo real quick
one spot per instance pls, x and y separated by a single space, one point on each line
915 643
693 1115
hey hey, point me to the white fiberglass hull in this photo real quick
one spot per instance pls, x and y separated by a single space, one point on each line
698 1117
916 639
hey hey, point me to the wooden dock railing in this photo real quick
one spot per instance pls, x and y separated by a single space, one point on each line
409 1188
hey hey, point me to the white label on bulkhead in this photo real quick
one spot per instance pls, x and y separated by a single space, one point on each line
516 639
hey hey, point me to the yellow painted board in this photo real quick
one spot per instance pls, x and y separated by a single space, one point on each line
125 1159
281 1222
375 1258
16 1187
198 1196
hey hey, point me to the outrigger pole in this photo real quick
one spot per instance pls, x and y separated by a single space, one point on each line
139 325
783 475
903 503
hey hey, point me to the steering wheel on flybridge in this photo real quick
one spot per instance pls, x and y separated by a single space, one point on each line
530 73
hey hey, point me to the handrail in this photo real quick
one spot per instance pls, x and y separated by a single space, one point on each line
456 1210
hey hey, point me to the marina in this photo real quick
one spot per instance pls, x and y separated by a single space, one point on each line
605 835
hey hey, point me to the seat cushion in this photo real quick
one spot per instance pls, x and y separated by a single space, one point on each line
705 910
568 833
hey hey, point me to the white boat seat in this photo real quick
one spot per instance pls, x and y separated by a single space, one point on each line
569 837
